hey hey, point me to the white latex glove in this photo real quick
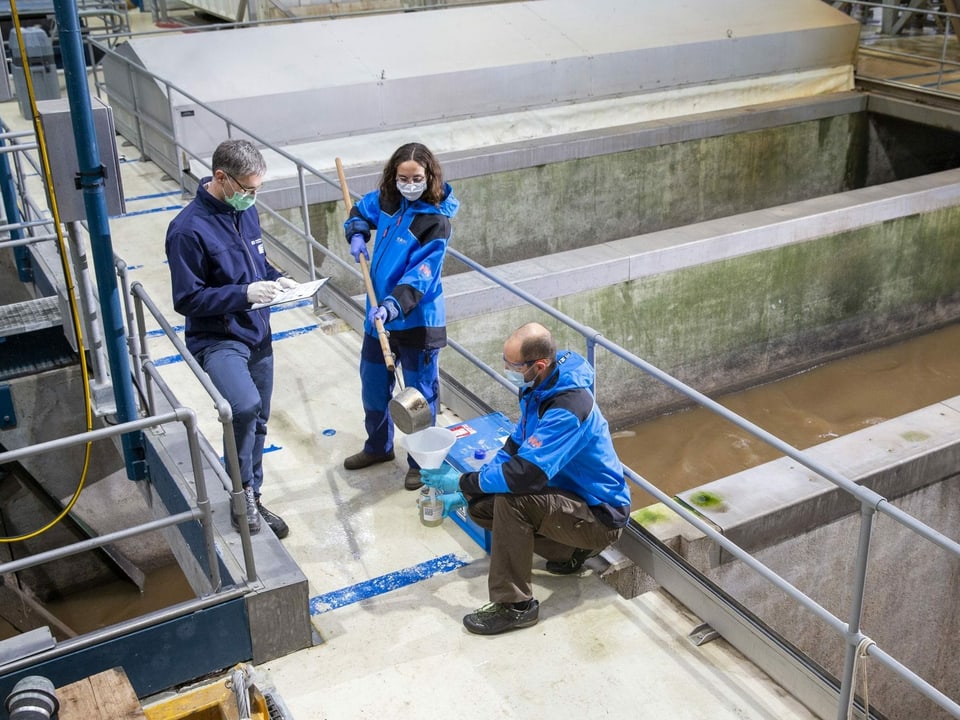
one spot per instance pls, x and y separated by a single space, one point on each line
262 291
287 283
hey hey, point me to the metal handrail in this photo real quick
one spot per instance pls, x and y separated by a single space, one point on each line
870 501
888 11
187 417
224 411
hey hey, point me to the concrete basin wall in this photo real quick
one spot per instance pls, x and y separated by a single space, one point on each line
806 531
725 259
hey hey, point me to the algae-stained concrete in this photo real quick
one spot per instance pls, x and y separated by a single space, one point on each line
535 211
717 325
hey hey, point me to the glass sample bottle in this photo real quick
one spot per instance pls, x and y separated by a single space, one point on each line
431 507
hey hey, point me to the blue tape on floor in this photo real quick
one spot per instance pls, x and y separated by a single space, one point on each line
152 196
168 208
170 359
385 583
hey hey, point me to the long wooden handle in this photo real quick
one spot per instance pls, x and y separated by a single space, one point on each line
381 332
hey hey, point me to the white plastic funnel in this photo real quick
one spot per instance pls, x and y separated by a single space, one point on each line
429 447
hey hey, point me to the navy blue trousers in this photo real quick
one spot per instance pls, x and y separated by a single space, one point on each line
245 379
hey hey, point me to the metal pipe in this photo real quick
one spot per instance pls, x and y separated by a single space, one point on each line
853 634
32 698
91 178
93 330
99 541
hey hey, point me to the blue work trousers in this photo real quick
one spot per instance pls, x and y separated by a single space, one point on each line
245 379
420 370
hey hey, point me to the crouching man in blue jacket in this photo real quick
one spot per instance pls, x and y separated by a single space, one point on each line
556 488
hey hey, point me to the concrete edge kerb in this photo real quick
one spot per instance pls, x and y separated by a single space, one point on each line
766 504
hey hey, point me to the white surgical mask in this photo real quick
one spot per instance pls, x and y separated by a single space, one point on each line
516 377
412 191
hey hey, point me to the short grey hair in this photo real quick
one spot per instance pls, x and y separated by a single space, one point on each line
239 158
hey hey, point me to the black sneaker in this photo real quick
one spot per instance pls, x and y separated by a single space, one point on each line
496 618
275 522
576 561
252 514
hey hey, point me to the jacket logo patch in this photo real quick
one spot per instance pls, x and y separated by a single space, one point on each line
535 441
424 271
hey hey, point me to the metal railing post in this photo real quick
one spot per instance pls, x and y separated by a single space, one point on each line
853 636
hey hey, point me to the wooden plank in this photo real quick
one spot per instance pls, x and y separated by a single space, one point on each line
105 696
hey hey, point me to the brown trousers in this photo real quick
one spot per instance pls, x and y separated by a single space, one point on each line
549 524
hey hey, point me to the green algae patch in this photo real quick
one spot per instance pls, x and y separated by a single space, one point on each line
915 436
706 500
651 515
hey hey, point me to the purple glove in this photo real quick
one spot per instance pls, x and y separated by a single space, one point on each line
385 312
358 247
377 313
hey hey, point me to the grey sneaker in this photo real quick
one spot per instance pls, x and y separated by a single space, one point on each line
252 512
496 618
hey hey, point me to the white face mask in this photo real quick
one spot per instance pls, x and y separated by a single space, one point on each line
516 377
412 191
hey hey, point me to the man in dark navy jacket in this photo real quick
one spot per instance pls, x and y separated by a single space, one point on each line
219 270
556 488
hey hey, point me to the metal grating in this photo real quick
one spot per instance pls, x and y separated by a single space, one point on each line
31 315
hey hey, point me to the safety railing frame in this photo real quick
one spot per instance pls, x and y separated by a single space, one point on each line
870 502
888 8
199 448
152 378
201 513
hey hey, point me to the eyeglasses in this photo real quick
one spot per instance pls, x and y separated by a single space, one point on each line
517 366
243 188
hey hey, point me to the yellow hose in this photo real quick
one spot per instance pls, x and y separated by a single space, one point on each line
68 277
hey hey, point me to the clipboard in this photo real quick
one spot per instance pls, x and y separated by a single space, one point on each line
301 291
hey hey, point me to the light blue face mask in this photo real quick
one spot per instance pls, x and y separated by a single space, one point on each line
516 377
242 199
239 201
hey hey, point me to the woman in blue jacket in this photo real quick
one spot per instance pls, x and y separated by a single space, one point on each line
410 212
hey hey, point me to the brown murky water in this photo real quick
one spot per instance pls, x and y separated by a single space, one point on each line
112 602
686 449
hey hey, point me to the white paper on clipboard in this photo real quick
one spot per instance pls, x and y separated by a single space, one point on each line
301 291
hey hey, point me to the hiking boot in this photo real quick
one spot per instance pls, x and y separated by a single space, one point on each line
364 459
252 513
568 567
412 480
275 522
495 618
